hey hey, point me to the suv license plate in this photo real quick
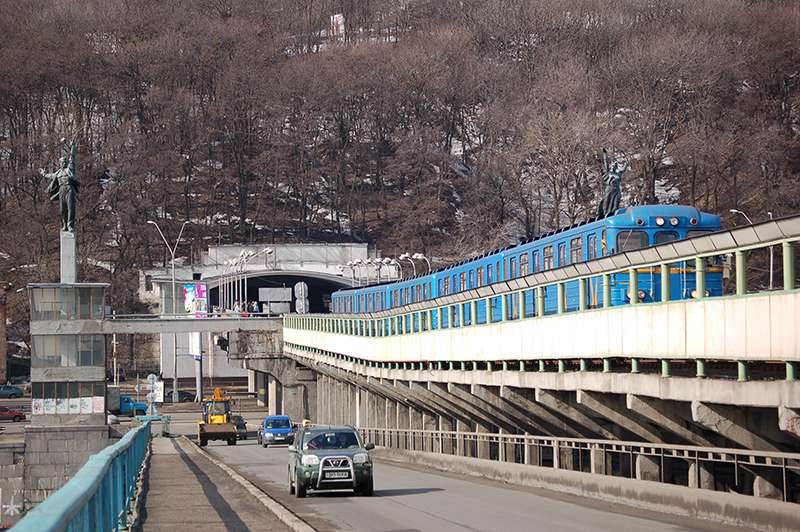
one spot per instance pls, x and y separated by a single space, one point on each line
337 474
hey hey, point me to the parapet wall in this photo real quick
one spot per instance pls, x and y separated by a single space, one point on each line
725 508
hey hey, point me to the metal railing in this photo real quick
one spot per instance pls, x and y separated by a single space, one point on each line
98 496
729 469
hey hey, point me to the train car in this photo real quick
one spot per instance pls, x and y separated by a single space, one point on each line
627 229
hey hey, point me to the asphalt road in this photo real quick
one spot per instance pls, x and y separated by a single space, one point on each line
408 499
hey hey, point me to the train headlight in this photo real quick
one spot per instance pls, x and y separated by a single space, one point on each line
659 221
694 294
693 221
673 221
641 295
639 221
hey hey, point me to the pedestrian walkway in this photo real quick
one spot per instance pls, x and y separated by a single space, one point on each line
183 490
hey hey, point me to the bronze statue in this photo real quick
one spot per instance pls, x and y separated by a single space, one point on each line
612 177
64 186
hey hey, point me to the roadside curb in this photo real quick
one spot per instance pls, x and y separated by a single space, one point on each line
281 512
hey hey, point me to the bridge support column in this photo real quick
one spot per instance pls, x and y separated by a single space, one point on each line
700 476
532 454
403 418
540 301
606 290
768 485
613 408
633 287
599 464
551 400
665 286
741 273
251 381
430 422
732 423
461 443
261 388
788 265
700 276
484 448
415 423
274 403
446 442
664 415
648 468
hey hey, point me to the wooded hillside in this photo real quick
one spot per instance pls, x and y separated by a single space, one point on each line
439 126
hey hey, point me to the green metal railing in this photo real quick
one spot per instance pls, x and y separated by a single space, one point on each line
99 495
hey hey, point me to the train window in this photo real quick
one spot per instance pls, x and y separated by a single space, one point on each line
576 250
630 240
480 275
405 295
512 270
523 264
419 292
462 281
603 244
489 274
471 283
499 275
562 254
662 237
592 245
446 286
383 300
425 291
536 267
547 258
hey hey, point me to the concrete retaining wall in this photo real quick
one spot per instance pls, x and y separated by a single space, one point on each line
11 483
727 508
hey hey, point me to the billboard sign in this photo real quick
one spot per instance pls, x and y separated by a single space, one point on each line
195 299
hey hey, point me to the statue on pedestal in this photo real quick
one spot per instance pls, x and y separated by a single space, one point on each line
64 186
612 177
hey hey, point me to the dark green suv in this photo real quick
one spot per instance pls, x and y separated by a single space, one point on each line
329 458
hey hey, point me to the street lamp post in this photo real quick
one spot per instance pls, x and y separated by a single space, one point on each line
737 211
174 307
771 258
407 256
420 256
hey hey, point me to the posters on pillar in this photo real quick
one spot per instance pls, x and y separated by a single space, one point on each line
195 299
98 405
74 405
62 406
49 406
37 407
86 405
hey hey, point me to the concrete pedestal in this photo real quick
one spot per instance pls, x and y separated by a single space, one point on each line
54 454
69 265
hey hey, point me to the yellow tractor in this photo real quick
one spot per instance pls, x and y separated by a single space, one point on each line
217 423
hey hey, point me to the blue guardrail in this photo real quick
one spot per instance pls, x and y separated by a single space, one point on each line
98 496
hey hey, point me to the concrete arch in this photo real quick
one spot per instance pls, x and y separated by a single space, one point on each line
213 282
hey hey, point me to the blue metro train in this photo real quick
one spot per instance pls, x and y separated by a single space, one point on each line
627 229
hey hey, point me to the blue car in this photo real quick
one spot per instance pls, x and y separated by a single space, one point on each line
275 430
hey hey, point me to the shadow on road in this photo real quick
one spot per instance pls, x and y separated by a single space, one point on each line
378 493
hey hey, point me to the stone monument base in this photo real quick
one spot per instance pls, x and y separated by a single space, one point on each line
54 454
69 266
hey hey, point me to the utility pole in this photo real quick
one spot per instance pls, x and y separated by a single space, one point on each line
3 338
174 307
